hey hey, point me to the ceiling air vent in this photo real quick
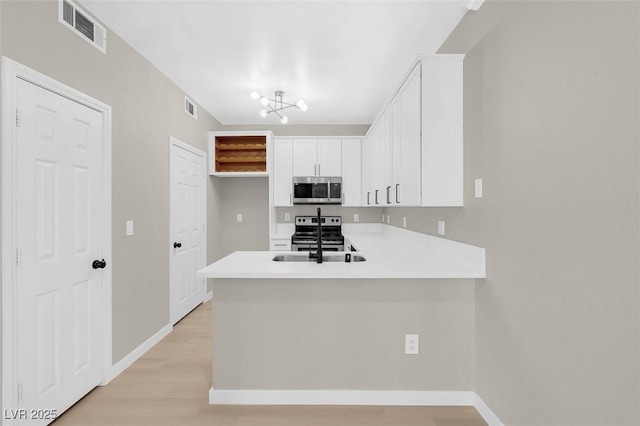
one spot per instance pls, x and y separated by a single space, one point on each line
82 24
190 108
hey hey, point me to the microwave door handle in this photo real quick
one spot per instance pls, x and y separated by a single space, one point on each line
318 169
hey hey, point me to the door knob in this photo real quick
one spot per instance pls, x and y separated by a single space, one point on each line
177 245
98 264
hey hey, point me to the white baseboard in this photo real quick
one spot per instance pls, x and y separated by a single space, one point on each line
348 397
486 413
339 397
208 297
133 356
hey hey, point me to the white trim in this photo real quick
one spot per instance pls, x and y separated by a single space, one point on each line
339 397
486 413
173 142
187 147
472 4
208 297
11 72
134 355
351 397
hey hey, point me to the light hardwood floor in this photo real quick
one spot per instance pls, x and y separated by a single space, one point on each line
169 386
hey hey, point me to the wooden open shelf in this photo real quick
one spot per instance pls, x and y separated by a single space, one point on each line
240 154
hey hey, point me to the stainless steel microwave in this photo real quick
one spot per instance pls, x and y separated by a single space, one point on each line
317 190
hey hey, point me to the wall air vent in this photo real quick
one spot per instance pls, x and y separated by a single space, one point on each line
190 108
82 24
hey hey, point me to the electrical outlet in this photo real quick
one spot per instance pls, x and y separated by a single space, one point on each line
239 217
388 219
441 227
356 217
404 221
287 217
412 344
129 228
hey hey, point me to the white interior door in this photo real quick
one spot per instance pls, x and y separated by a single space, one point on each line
187 228
59 235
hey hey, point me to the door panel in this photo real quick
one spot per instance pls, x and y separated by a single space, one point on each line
59 233
305 157
188 239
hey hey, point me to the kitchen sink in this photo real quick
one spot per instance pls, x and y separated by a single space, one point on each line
325 258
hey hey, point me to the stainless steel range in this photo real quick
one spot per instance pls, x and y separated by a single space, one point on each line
305 237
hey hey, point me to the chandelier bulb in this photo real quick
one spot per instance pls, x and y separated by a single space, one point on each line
264 101
255 95
263 113
284 119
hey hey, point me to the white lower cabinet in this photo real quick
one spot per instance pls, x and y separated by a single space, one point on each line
280 244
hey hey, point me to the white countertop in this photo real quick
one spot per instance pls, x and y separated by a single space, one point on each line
390 252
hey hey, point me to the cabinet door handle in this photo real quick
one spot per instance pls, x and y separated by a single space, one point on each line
315 170
290 199
344 198
318 169
397 198
388 194
377 196
368 196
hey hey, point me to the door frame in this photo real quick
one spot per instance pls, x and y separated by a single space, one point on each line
13 71
174 142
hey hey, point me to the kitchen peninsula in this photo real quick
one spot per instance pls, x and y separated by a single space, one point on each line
308 333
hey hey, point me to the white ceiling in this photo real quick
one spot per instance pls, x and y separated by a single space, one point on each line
345 58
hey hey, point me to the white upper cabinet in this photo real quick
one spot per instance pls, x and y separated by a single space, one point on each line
329 157
317 157
305 157
412 155
351 173
405 189
283 172
442 137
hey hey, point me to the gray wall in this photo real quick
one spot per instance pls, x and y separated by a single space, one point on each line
342 334
367 214
552 125
147 109
250 197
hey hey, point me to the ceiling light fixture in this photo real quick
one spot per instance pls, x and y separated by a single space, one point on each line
277 104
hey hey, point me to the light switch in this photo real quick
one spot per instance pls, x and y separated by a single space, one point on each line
239 217
441 227
356 217
478 188
404 221
129 228
287 217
